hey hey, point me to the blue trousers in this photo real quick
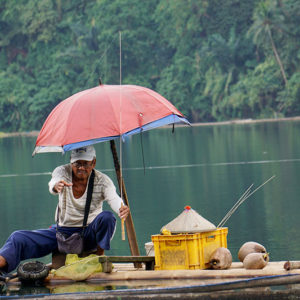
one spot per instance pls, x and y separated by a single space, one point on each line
26 244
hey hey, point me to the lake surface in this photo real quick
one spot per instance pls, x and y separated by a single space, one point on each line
206 167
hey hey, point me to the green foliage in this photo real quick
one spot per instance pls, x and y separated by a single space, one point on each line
290 97
215 60
253 96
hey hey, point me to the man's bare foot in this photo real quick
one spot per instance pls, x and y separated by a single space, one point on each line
3 262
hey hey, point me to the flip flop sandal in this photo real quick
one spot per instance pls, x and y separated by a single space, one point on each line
4 276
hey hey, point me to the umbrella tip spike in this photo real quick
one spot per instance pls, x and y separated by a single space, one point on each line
100 81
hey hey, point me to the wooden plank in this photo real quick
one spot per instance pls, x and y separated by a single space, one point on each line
125 271
236 271
129 258
106 261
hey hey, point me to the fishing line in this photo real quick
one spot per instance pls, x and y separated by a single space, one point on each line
166 167
143 156
120 104
91 75
169 167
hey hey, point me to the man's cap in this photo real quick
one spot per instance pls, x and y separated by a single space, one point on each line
83 153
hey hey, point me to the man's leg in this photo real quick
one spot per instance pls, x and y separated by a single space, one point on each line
99 233
25 244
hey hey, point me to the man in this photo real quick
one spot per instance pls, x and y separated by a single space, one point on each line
70 183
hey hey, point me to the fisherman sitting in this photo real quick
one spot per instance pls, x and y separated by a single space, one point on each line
70 183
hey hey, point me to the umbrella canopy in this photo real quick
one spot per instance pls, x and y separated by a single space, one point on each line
104 113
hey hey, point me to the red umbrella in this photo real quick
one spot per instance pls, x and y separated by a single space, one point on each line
104 113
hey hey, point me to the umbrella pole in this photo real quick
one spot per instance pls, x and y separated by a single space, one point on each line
129 222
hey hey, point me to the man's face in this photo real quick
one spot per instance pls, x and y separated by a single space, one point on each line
83 168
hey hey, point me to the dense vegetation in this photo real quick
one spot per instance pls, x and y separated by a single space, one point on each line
214 59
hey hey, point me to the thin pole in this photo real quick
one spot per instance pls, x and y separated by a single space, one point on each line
122 227
133 245
120 142
235 206
245 196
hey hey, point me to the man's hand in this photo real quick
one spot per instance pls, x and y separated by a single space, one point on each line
123 212
58 187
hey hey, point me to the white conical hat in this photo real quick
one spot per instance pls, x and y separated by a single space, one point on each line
189 221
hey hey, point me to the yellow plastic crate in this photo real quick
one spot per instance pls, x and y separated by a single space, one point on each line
187 251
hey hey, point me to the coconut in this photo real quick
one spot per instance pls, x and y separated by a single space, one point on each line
256 260
250 247
220 259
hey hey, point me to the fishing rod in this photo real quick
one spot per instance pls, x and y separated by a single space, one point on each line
241 200
235 206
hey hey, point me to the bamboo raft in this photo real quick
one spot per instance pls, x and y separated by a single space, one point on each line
127 271
166 284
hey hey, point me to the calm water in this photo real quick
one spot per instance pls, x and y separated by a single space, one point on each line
207 167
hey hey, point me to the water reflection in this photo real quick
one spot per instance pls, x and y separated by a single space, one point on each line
80 288
92 286
21 290
175 289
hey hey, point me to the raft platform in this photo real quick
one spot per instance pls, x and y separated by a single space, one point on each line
127 271
233 283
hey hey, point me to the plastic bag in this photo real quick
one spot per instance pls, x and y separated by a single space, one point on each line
79 268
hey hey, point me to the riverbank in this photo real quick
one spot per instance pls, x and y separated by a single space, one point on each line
11 134
247 121
35 133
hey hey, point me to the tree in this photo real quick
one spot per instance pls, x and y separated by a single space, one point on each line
267 19
213 59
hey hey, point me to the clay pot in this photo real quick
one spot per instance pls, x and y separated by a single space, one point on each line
220 259
250 247
256 260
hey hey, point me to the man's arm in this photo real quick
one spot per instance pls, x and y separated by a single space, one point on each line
58 186
114 200
58 181
124 212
